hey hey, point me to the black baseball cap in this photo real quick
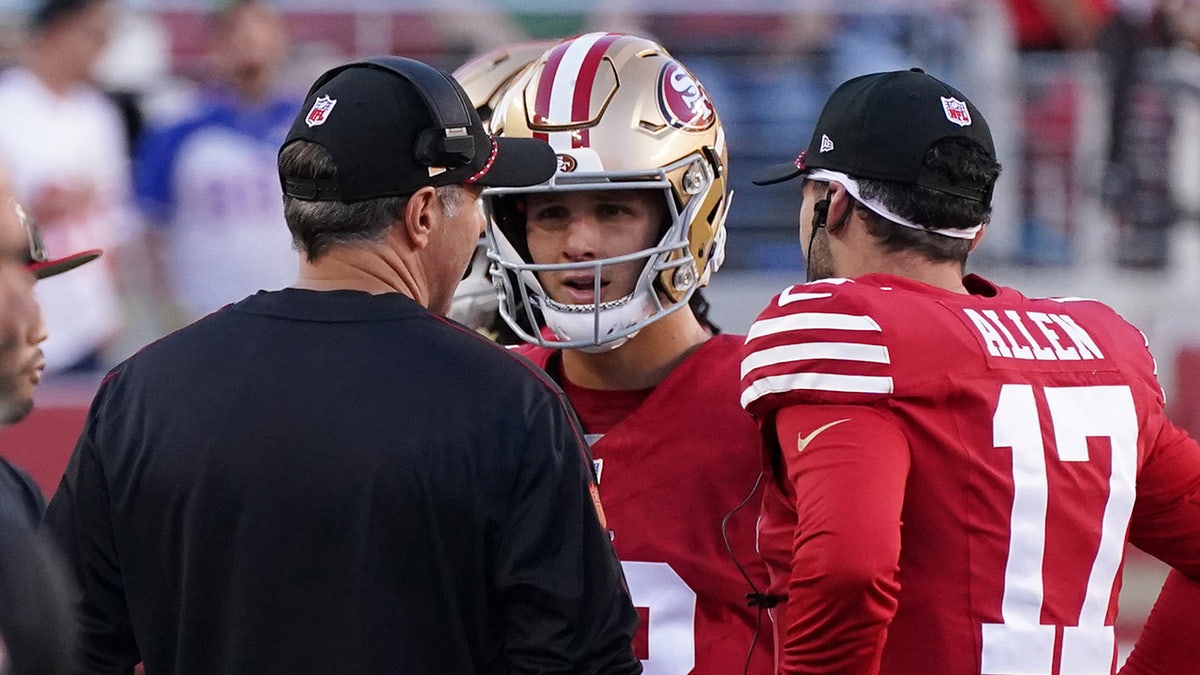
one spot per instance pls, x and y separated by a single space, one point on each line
879 126
394 125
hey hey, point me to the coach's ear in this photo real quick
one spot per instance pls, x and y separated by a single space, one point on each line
419 214
977 238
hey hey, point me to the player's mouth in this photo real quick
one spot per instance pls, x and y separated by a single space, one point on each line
581 290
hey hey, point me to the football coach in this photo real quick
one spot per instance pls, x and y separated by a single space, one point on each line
332 477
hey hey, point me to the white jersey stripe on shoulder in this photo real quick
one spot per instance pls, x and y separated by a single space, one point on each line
811 321
778 384
562 93
815 351
788 296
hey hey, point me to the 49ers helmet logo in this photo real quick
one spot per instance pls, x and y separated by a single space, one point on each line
683 101
566 163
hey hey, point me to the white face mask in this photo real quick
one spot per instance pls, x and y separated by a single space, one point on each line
591 327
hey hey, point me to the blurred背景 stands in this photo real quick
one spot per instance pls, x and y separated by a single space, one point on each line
207 183
65 142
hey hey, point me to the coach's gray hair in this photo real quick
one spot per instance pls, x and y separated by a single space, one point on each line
317 225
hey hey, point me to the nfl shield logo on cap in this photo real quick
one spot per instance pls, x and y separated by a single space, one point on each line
320 111
956 111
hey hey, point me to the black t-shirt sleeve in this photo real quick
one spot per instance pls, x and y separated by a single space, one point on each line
568 609
78 517
21 500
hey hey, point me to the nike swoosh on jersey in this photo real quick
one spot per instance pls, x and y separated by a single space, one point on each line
802 441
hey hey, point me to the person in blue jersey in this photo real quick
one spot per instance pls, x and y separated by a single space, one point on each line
208 184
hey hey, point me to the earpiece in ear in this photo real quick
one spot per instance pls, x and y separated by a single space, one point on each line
820 213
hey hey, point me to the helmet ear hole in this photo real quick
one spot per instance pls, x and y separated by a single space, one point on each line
714 160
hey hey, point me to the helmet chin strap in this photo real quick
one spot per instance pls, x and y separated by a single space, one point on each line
579 322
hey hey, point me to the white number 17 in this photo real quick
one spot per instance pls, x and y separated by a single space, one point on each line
1021 645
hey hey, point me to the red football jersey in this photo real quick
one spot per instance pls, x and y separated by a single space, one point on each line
669 473
960 500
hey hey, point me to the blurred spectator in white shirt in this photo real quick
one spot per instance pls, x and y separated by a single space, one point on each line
66 143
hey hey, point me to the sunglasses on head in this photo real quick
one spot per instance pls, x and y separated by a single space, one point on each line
37 248
37 259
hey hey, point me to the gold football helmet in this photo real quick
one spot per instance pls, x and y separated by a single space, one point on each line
485 79
622 114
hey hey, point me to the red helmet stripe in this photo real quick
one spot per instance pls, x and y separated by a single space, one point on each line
541 107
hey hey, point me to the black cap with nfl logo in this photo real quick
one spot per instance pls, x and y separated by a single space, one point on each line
879 126
394 125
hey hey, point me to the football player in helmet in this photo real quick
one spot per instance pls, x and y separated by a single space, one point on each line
604 260
486 79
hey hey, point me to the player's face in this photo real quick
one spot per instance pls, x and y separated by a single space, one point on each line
453 244
818 257
590 225
21 326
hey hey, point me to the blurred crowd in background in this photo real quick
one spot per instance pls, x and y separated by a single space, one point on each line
150 128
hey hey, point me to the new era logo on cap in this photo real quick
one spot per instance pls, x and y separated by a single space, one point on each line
826 143
320 111
956 111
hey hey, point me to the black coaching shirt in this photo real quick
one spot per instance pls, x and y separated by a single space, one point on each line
21 500
335 482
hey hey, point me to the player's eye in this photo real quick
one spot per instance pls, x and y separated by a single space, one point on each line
549 212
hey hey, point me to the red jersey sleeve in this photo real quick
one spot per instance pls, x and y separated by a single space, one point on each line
848 466
1170 641
1166 515
814 343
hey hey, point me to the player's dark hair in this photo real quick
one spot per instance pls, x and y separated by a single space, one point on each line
700 307
959 162
317 225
